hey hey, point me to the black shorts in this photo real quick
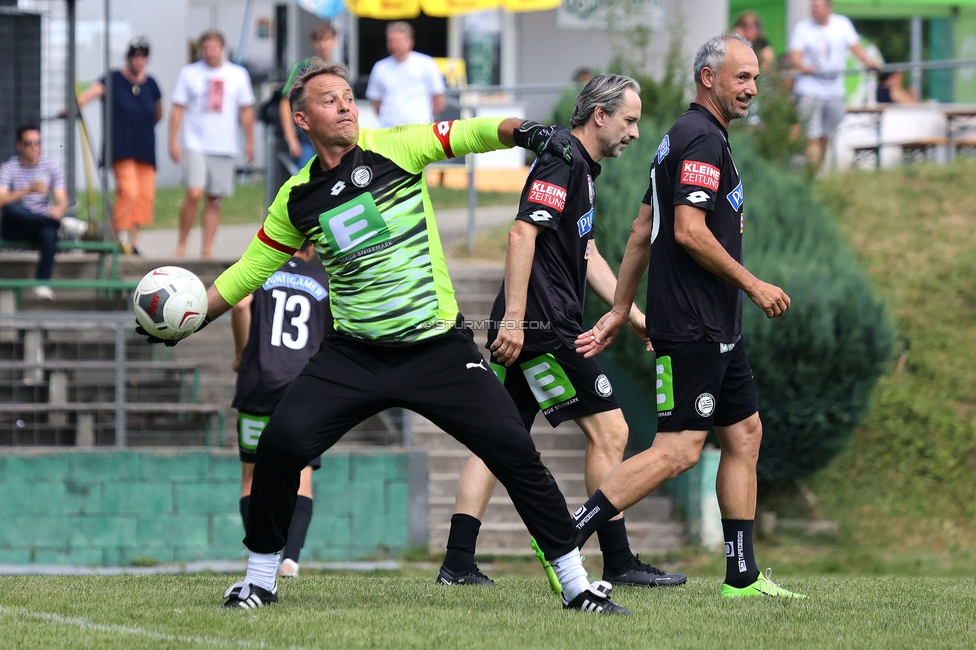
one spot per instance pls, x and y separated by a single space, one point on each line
249 428
444 379
702 384
562 384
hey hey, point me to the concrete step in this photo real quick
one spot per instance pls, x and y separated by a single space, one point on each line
567 436
476 277
545 438
501 509
476 308
445 484
134 267
74 264
563 452
513 538
557 461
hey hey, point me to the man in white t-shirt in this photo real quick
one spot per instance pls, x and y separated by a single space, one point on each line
818 50
406 87
211 97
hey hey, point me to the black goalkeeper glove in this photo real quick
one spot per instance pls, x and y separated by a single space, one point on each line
152 340
554 140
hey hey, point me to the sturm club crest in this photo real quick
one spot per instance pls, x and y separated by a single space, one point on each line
361 176
602 386
705 404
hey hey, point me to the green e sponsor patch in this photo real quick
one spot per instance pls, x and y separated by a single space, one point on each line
664 384
354 225
499 371
548 381
250 428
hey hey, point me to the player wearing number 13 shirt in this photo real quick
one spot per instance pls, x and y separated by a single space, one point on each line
277 329
289 317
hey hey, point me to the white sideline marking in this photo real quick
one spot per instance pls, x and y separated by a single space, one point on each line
85 624
218 566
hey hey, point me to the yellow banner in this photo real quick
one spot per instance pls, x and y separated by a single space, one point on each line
441 8
530 5
384 9
406 9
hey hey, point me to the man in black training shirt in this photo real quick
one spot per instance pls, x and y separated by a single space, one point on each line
277 329
539 313
693 212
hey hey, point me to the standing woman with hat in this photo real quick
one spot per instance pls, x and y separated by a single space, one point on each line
136 108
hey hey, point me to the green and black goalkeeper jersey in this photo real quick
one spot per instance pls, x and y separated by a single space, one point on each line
372 224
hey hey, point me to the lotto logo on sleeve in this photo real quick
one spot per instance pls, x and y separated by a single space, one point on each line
700 174
443 132
548 195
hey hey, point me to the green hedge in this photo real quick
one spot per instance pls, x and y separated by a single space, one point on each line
816 366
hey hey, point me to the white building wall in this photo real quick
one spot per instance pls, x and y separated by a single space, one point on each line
796 10
165 31
542 52
170 26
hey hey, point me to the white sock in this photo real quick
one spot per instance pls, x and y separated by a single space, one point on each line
261 569
572 576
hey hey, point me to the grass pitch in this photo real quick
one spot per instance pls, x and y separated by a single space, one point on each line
381 611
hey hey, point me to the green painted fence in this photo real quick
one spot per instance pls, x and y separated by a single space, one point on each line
141 507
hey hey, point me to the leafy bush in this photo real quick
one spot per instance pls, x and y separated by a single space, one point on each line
778 134
563 109
814 367
662 101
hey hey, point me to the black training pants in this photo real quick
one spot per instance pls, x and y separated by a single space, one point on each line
444 379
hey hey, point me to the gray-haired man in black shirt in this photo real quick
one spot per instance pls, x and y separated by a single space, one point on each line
537 316
693 213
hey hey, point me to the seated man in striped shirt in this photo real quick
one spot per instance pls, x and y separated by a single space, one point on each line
27 183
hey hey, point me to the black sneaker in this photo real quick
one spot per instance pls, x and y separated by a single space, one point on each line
644 575
596 599
248 596
472 576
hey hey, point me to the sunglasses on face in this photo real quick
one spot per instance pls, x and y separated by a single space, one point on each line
30 143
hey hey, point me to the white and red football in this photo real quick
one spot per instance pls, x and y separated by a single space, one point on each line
170 302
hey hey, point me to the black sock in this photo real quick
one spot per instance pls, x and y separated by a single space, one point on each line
617 556
461 542
298 528
740 559
592 515
245 502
